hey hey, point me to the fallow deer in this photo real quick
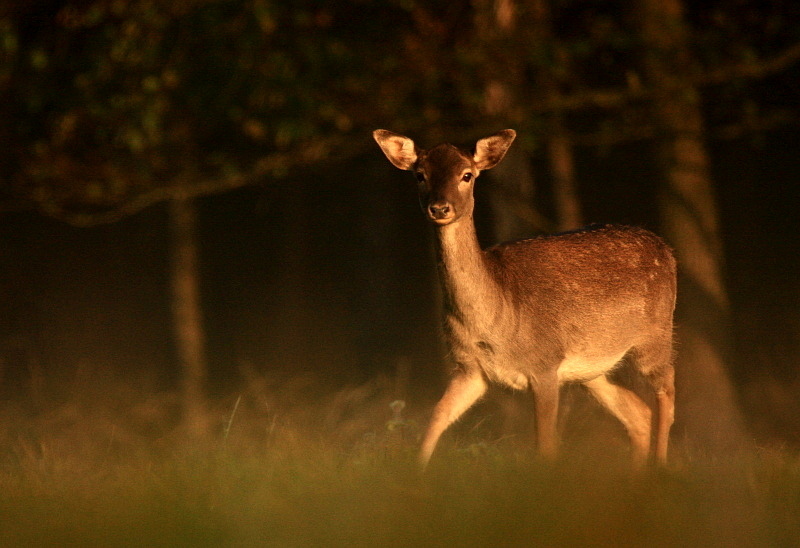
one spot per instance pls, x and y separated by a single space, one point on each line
537 313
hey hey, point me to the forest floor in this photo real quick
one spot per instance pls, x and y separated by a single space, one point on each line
106 466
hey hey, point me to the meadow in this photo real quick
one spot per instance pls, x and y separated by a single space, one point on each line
290 463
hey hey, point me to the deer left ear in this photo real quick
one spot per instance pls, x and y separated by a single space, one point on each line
490 150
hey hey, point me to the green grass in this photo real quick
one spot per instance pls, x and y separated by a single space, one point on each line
84 475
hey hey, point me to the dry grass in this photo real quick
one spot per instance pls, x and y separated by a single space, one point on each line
302 466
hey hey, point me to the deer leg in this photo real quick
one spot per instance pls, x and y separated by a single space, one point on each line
665 399
632 412
463 391
545 394
654 361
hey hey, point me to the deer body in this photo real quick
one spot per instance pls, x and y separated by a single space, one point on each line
534 314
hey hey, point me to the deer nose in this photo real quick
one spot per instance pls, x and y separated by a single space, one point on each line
439 211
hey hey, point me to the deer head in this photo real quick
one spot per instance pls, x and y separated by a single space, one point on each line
446 174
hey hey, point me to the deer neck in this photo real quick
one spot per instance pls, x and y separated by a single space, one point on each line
466 280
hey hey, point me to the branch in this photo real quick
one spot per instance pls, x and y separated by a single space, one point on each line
186 188
753 70
754 124
606 99
620 97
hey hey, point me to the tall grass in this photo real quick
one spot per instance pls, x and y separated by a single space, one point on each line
109 468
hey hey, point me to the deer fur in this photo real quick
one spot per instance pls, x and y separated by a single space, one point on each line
535 314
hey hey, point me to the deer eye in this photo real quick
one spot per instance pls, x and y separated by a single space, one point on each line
467 177
420 177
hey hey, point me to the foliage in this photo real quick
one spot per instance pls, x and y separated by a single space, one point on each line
109 100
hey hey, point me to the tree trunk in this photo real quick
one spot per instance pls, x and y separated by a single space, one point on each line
512 188
558 145
562 168
187 315
707 411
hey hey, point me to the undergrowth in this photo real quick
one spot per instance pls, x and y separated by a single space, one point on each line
110 467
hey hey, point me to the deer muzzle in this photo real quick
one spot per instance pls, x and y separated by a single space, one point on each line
440 212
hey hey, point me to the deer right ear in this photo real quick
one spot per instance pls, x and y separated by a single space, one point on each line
400 150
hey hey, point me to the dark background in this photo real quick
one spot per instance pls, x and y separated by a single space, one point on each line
327 266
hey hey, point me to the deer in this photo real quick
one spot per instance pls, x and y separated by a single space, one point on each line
538 313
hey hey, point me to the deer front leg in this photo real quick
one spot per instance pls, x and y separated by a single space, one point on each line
545 393
463 391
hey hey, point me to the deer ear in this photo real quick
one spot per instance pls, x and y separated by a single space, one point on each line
400 150
490 150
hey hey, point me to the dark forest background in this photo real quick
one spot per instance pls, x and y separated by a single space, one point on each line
189 191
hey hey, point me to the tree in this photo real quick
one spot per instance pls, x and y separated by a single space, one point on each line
502 79
691 223
187 314
558 145
116 106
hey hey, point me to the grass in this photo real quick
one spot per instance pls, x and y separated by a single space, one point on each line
108 470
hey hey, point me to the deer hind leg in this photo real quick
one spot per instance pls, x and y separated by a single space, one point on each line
655 363
463 391
664 384
632 412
